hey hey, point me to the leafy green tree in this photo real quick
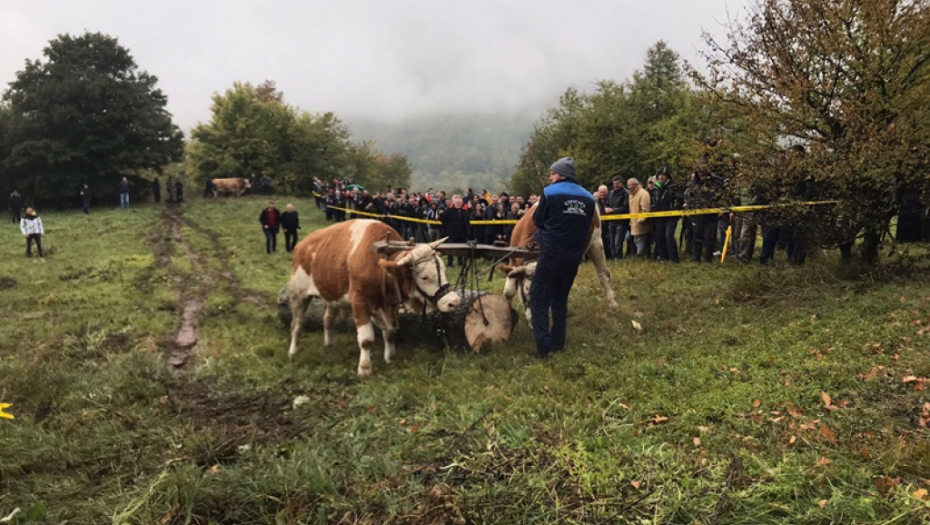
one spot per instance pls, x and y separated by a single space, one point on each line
84 114
626 128
846 80
375 170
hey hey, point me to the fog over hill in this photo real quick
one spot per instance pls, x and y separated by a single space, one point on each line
453 151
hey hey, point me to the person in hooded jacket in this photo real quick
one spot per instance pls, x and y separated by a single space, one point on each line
16 206
31 226
667 197
618 203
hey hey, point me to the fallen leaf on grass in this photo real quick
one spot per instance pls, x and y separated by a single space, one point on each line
215 469
828 433
920 493
885 483
827 400
704 429
822 503
913 379
793 440
756 403
822 462
635 484
636 326
697 441
657 419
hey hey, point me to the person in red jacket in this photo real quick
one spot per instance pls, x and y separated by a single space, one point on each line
271 222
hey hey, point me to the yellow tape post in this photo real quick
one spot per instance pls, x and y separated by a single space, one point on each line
3 414
726 244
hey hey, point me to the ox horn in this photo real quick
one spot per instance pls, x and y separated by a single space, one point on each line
435 244
406 259
517 272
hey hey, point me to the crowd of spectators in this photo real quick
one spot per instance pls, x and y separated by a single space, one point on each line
697 237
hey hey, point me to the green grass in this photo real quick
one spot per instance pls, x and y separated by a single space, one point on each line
713 415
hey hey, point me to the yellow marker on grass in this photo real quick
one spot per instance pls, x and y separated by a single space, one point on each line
4 415
726 244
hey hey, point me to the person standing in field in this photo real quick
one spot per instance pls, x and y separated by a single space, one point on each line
85 199
123 189
31 226
290 223
156 190
271 222
16 206
563 220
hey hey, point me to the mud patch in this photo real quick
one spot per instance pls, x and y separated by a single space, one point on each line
8 282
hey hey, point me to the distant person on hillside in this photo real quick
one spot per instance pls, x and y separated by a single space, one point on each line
156 190
16 206
169 187
208 190
271 222
123 189
290 223
85 198
31 226
179 190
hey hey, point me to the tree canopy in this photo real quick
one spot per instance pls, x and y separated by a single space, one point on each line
845 81
86 114
254 132
628 128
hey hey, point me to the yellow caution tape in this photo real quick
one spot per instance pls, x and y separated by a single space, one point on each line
611 217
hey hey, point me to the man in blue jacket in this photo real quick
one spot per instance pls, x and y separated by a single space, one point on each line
563 223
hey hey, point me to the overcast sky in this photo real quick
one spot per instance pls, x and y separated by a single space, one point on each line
380 59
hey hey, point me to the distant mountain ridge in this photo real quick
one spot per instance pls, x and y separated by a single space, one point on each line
453 152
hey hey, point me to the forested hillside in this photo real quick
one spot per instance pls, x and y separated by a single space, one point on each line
453 151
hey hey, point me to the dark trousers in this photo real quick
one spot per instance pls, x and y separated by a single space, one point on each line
666 245
552 281
618 235
703 227
157 195
271 240
36 238
15 216
290 239
86 206
772 236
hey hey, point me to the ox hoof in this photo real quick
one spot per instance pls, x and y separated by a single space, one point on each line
364 371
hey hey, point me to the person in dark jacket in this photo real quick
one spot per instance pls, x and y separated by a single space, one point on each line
563 220
703 192
179 190
271 221
156 190
290 223
16 206
85 198
618 202
667 196
208 189
455 220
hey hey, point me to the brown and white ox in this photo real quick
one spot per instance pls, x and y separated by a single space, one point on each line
235 186
338 265
520 275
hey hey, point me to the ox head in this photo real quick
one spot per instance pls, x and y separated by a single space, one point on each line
519 280
429 275
248 185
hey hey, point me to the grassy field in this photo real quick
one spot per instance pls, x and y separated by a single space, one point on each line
753 395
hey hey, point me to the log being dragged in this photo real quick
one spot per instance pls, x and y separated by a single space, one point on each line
482 318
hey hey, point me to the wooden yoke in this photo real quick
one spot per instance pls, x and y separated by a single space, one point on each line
464 249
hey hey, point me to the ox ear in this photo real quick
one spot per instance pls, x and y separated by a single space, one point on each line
389 266
505 269
435 244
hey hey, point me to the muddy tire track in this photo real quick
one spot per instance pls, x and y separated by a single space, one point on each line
226 273
193 289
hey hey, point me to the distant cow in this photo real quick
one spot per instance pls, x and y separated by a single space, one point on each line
235 186
520 276
338 265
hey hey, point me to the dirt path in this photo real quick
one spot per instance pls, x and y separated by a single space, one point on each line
202 281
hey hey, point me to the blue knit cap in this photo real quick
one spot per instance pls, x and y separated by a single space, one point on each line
565 167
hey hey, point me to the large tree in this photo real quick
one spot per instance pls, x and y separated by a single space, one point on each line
627 128
845 81
253 131
84 114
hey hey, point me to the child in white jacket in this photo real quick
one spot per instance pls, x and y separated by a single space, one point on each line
31 226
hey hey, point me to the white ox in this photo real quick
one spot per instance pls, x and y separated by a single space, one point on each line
520 275
338 265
